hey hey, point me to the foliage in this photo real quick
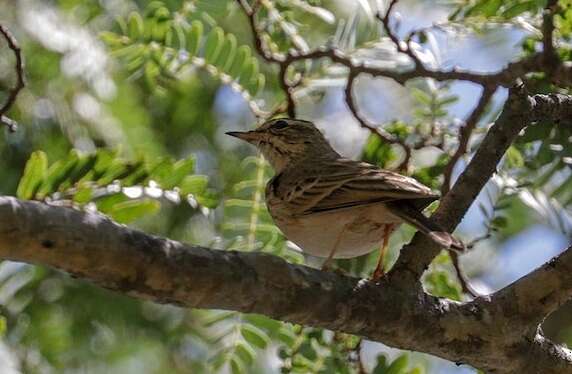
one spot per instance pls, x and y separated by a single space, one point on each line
132 128
124 190
160 44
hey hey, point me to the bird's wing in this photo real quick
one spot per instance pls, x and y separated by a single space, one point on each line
342 183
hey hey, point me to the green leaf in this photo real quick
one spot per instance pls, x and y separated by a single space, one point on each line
255 336
256 85
152 7
34 173
194 37
122 170
3 325
226 56
208 199
217 317
487 8
417 370
249 72
286 336
499 222
381 365
399 365
213 44
236 366
514 158
106 203
135 26
447 100
242 56
179 38
421 96
518 8
263 322
83 195
84 165
193 184
57 174
246 353
181 169
112 39
129 211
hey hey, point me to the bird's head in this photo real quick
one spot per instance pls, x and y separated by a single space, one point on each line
285 141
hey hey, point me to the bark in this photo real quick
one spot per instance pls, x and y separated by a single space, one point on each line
499 334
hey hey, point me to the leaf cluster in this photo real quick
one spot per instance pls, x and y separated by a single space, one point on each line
124 190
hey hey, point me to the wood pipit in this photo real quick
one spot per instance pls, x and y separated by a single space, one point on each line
334 207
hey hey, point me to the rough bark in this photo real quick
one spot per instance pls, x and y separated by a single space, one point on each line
492 334
499 334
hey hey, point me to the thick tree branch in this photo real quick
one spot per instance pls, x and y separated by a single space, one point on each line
481 333
541 292
519 111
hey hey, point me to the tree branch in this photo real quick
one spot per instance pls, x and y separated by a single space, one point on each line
464 137
519 111
19 67
364 123
134 263
550 56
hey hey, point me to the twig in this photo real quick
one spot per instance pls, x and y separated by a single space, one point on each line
270 56
464 136
398 44
561 74
19 67
465 285
550 56
364 123
288 90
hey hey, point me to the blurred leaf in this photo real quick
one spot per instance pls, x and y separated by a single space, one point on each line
59 172
194 37
34 173
245 352
399 365
214 44
193 184
129 211
255 336
236 366
135 25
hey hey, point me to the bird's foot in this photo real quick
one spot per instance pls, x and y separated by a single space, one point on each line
330 268
377 274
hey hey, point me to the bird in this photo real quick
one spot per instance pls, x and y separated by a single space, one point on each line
335 207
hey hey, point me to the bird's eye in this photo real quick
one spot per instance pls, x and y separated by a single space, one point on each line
279 125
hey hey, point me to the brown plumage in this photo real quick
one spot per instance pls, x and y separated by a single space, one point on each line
334 207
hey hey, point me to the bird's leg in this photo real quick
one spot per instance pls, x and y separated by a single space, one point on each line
379 272
328 263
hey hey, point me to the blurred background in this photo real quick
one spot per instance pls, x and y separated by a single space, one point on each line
97 84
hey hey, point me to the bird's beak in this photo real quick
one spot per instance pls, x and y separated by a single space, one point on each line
247 136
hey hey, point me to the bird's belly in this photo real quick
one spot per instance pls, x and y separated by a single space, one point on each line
356 231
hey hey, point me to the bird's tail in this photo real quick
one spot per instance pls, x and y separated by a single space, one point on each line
415 218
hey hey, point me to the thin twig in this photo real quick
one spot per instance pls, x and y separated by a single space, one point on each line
550 56
20 83
406 49
364 123
270 56
465 285
464 136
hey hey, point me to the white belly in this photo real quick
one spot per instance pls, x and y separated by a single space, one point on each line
353 232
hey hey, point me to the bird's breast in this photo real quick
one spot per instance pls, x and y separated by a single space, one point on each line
353 232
